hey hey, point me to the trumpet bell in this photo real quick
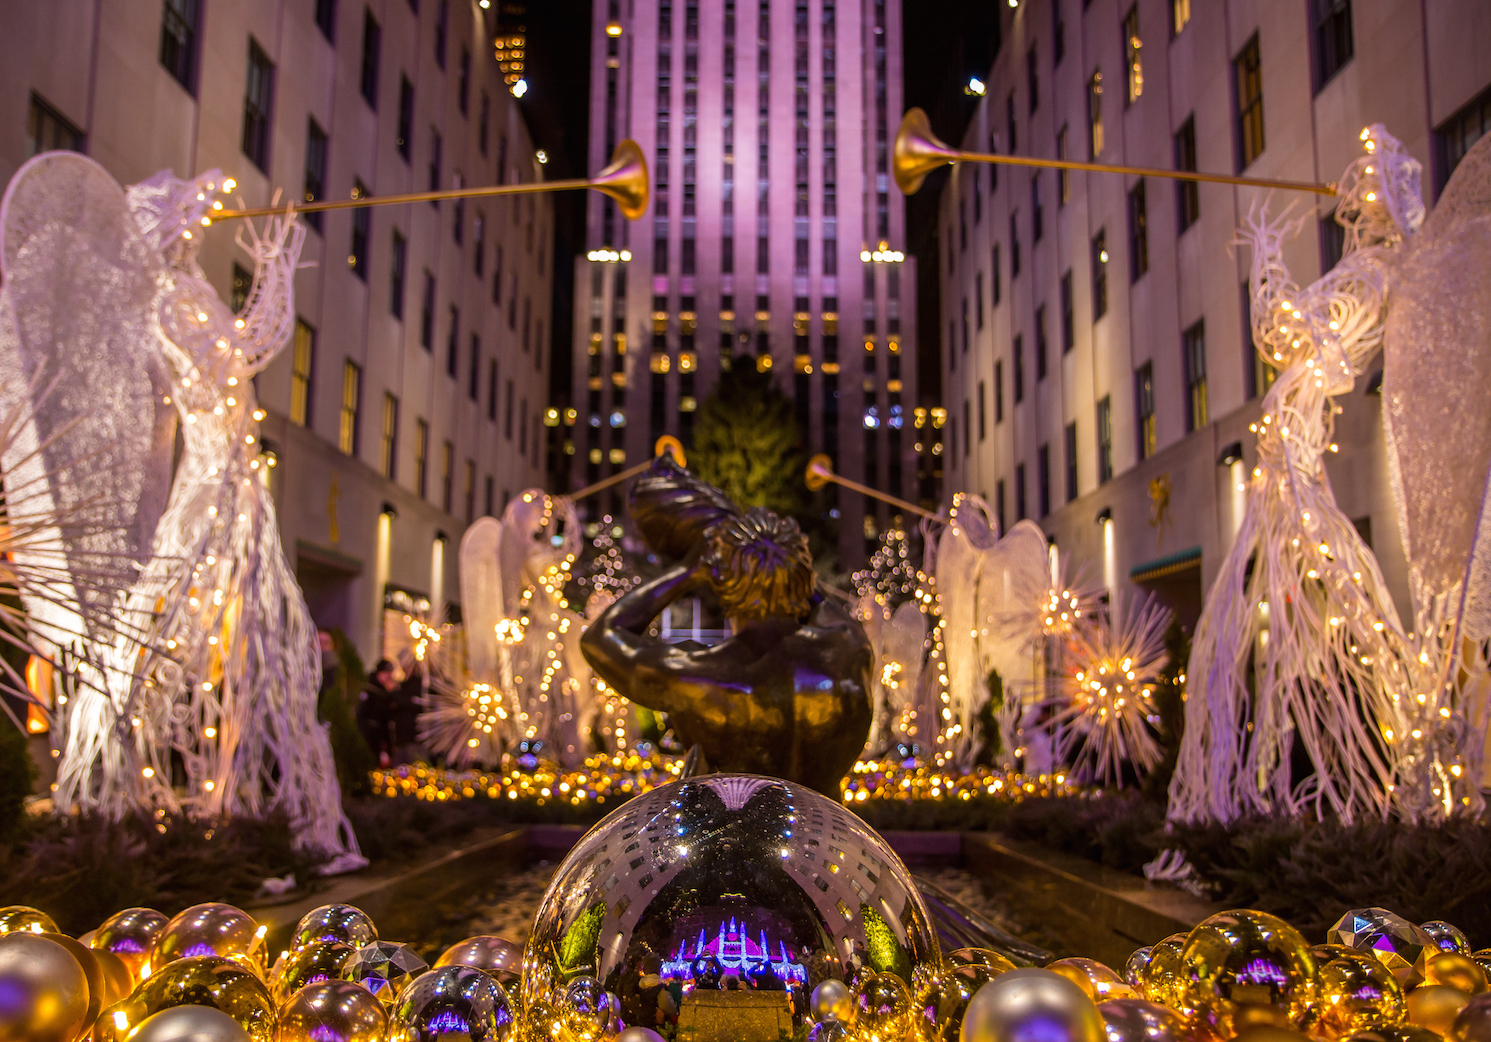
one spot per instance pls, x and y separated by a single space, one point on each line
820 471
917 152
625 180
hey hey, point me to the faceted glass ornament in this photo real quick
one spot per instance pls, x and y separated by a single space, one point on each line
130 934
316 961
1356 993
202 980
1244 958
333 1011
334 923
1448 937
1139 1020
25 919
732 884
383 967
1403 947
452 1004
943 999
210 929
500 957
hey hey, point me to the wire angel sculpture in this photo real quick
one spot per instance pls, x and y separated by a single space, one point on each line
518 683
1103 697
214 659
987 589
1299 637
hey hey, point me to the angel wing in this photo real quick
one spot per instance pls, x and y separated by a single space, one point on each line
481 596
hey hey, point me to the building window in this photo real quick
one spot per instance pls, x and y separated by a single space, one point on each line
1187 193
315 170
427 313
178 40
463 83
1009 118
257 97
470 491
1043 478
1193 350
302 369
1063 177
397 267
447 475
1037 212
994 281
1248 72
1032 78
1144 407
484 120
473 376
1020 511
1333 43
1068 315
999 392
967 430
1332 241
1105 439
240 287
326 17
1014 248
372 45
1040 343
388 447
452 343
1017 355
421 458
1095 114
1138 233
404 141
1100 275
435 148
351 402
982 411
507 411
1133 64
442 31
362 218
1180 15
1463 130
492 391
490 490
1058 33
48 131
1070 455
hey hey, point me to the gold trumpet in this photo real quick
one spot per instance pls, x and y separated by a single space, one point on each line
918 152
821 471
624 180
667 443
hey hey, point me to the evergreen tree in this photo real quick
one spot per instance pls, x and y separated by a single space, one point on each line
748 444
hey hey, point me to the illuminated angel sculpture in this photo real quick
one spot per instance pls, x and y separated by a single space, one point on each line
1299 638
518 683
213 655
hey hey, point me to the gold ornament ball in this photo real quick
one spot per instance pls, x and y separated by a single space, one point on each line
1435 1006
943 999
45 991
498 956
343 923
97 984
1449 937
1456 970
882 1008
202 980
1356 993
1403 1033
1031 1006
118 981
1139 1020
452 1004
832 1000
587 1012
1133 969
1242 957
1473 1023
638 1034
539 1023
25 919
210 929
1163 979
1099 981
979 957
1270 1033
188 1024
316 961
130 934
333 1011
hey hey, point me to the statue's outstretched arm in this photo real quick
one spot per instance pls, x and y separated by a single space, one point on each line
617 646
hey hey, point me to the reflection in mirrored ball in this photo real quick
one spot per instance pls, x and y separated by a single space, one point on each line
1031 1006
1139 1020
334 922
727 883
333 1011
130 934
832 1001
188 1024
210 929
451 1004
500 957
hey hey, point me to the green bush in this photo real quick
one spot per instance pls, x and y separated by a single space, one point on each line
17 777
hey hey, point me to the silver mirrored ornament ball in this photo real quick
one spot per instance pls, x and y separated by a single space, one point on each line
452 1004
189 1024
753 889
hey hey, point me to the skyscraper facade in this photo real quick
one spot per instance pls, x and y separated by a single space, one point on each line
775 238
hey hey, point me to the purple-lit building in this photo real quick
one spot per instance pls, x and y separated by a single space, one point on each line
775 237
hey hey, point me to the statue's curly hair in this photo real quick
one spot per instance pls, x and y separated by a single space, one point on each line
760 565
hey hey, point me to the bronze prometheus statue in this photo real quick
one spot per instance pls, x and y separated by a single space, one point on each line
787 694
